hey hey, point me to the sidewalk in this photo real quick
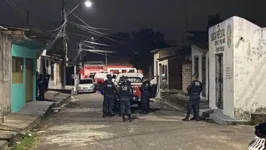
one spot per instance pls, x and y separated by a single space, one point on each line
15 124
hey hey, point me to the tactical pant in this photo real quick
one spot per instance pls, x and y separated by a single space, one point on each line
108 104
125 106
193 103
117 106
145 101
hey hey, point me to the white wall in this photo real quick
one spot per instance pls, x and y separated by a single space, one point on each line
249 67
163 62
244 68
155 59
198 52
227 66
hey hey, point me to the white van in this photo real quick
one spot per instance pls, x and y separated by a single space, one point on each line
86 85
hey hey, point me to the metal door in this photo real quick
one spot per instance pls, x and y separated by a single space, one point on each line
29 80
219 80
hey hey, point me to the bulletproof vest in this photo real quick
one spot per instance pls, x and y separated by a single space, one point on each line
109 88
196 87
124 91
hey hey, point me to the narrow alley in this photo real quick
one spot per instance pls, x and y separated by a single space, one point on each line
80 126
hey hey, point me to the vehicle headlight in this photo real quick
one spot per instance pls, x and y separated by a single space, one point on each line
92 86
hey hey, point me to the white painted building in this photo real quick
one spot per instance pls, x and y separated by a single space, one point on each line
50 65
237 56
200 67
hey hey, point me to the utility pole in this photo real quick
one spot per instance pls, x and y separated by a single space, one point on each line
63 17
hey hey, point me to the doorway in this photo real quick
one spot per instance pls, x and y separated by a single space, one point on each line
29 80
219 80
203 69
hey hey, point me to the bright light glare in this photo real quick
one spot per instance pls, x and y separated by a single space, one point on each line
88 3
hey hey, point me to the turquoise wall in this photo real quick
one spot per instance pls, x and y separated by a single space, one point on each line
18 90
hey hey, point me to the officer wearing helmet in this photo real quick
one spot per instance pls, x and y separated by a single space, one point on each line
108 91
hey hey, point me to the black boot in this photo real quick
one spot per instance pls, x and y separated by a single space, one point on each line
104 115
130 118
186 119
123 118
193 118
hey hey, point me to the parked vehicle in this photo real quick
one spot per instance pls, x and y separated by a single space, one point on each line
99 78
136 81
86 85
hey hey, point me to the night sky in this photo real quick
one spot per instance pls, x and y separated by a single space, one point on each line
166 16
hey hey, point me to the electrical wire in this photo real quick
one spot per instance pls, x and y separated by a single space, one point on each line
71 12
95 43
50 45
95 33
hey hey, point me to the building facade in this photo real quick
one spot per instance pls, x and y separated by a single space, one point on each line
237 57
50 65
172 67
21 54
200 67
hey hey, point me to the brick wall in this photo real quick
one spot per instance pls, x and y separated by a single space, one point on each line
186 76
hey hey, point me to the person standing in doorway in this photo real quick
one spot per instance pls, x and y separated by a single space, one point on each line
194 90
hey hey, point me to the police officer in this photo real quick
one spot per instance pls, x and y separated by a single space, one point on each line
124 100
194 90
129 85
145 95
109 91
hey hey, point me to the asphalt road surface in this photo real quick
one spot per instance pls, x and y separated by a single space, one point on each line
80 126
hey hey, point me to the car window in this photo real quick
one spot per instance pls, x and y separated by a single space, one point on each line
87 81
132 79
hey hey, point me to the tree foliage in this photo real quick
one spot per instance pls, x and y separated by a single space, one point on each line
145 40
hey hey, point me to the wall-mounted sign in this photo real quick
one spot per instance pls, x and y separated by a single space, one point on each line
229 36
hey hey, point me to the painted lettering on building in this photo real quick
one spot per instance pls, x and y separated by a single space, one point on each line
229 73
218 38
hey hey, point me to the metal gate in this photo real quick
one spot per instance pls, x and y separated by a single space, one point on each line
219 80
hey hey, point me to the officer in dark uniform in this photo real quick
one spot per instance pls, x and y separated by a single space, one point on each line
124 99
129 85
109 91
145 95
41 86
194 90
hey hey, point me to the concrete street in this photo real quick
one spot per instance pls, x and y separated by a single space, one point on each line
80 126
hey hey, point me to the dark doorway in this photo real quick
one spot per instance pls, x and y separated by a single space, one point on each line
203 69
219 80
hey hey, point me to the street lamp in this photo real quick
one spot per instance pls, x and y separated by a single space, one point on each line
88 3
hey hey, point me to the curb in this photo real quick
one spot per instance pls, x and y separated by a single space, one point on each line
32 125
170 105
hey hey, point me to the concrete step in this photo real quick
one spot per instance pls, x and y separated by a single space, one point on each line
218 117
258 118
